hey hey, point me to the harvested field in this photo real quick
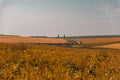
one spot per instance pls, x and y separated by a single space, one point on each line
14 39
99 40
114 46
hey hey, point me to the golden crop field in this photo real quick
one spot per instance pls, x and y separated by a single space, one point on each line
43 62
99 40
113 46
16 39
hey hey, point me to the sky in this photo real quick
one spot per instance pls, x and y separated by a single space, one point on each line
53 17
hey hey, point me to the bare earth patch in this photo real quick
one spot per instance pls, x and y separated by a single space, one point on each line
14 39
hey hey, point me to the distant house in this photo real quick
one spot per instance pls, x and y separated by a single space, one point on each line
74 42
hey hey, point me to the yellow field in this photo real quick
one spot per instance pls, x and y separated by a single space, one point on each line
42 62
113 43
114 46
99 40
14 39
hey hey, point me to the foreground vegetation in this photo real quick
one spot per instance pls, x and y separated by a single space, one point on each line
42 62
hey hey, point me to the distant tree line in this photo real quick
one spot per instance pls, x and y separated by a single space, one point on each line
39 36
9 35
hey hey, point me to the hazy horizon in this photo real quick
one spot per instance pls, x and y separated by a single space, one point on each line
53 17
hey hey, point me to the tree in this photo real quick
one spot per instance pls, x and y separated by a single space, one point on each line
64 36
58 36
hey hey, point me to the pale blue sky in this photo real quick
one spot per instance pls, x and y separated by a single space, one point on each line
52 17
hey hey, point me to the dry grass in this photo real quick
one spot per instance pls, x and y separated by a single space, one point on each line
38 62
10 39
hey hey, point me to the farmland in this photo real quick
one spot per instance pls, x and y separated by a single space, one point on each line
113 43
14 39
99 40
113 46
43 62
21 61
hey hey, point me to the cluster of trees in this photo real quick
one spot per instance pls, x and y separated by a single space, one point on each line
63 36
